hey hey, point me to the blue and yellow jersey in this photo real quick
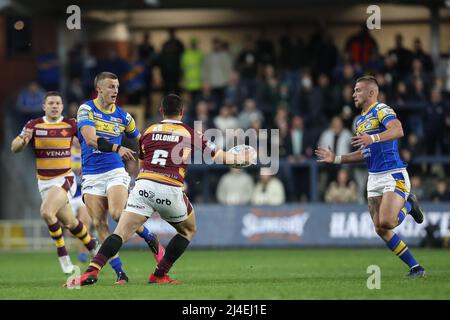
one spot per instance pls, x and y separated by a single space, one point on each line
109 125
379 156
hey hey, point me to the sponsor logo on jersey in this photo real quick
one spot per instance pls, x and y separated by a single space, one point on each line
41 132
157 127
64 153
114 119
83 118
98 115
84 114
116 129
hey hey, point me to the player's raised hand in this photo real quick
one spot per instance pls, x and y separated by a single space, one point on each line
125 153
361 140
27 135
325 155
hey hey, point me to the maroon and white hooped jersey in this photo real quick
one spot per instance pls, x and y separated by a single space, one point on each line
164 148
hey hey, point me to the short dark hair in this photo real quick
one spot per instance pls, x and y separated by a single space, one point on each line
104 75
368 78
171 104
52 94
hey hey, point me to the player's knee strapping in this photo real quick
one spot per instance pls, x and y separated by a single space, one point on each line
109 248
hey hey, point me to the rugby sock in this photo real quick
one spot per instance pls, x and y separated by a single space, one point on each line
116 264
174 250
56 233
402 251
109 249
81 233
404 212
147 236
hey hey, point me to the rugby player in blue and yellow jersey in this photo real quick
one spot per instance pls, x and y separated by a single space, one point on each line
101 124
388 186
165 149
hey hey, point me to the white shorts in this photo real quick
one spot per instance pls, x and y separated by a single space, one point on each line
169 201
67 182
76 203
99 184
395 180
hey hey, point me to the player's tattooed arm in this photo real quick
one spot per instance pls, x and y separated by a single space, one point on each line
394 131
21 141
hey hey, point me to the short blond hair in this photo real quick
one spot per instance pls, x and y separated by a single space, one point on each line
368 78
104 75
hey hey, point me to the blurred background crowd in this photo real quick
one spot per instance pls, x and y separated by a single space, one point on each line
298 82
303 87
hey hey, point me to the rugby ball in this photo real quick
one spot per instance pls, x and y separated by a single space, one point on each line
240 148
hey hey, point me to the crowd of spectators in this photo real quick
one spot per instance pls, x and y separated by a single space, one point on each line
303 87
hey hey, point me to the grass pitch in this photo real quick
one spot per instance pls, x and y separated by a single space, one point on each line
237 274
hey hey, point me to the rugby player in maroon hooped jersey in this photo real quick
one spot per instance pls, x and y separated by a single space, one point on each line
159 187
51 137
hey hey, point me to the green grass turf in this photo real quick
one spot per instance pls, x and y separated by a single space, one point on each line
237 274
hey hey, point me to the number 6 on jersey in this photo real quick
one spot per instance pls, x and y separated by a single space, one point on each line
160 157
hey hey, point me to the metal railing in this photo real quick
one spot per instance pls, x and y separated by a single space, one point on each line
26 234
311 165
